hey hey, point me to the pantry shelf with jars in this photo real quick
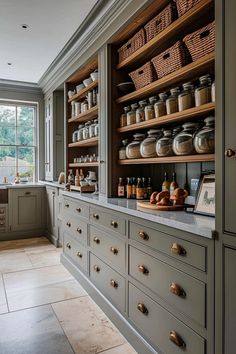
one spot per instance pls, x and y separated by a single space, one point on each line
84 117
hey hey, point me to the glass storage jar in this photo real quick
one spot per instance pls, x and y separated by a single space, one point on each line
140 116
86 130
80 132
122 150
92 129
203 91
75 136
183 142
172 101
160 105
72 108
148 145
123 117
213 92
149 109
96 128
164 145
185 98
133 148
131 115
204 140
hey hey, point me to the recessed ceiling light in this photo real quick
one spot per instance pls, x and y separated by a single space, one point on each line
9 64
24 26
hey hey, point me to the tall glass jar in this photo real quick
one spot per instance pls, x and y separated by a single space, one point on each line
149 109
122 150
213 92
133 148
172 101
140 116
164 145
148 145
185 98
183 142
96 127
75 136
123 117
204 140
203 91
92 129
80 132
86 131
160 105
131 115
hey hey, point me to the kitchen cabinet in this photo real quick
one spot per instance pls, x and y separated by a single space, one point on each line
52 213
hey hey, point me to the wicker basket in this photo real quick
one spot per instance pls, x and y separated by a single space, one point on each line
161 21
136 42
184 6
201 42
143 76
171 60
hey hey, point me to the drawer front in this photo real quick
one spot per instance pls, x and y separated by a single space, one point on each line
105 245
76 227
184 251
111 221
2 211
108 281
163 329
75 251
180 290
76 206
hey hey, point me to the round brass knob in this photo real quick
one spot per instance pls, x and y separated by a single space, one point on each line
79 230
177 290
114 224
96 268
79 255
79 210
177 249
96 216
68 245
142 308
176 339
96 240
67 205
114 283
230 153
114 250
143 235
143 269
68 224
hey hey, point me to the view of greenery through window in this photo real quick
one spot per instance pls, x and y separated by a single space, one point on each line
17 142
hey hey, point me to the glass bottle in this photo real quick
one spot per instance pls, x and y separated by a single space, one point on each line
129 188
149 187
131 115
204 140
144 182
17 178
122 150
203 91
133 192
165 183
160 105
148 145
139 189
149 109
185 98
80 132
123 117
121 188
173 184
164 144
183 142
81 175
133 148
77 179
140 116
172 101
71 177
213 92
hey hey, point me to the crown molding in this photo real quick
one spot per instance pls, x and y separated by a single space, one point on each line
20 86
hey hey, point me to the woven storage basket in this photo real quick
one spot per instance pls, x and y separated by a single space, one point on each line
171 60
143 76
185 5
136 42
161 21
201 42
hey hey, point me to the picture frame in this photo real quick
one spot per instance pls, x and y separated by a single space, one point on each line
205 203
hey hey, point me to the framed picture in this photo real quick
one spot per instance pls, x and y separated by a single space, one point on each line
205 203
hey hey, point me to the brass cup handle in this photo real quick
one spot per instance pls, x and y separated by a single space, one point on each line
96 268
143 235
114 224
79 210
67 205
96 240
176 339
230 153
96 216
68 224
79 254
177 290
143 269
142 308
177 249
68 245
114 283
27 193
114 250
79 230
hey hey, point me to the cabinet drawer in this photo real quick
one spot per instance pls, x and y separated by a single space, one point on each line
76 227
111 221
2 222
180 290
182 250
160 326
75 251
105 245
108 281
76 206
2 210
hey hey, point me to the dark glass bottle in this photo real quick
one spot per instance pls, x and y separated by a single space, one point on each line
144 182
165 183
133 193
129 188
139 189
173 184
149 187
121 188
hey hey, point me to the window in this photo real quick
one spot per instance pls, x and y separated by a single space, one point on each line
17 141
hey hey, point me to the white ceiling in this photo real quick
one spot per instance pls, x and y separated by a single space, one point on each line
51 25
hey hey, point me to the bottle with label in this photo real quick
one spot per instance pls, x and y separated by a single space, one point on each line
173 184
17 178
121 188
81 175
129 188
165 183
71 177
144 181
133 192
77 179
149 187
139 189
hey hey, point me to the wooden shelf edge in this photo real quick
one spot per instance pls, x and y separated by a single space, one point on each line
84 164
93 112
170 31
194 112
83 92
87 142
169 159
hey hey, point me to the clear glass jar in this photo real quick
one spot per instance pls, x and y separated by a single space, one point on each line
203 91
140 115
84 106
148 145
96 128
172 101
92 129
204 140
149 109
86 131
185 98
72 108
133 148
160 105
122 150
183 142
80 132
123 117
213 92
131 115
164 145
75 136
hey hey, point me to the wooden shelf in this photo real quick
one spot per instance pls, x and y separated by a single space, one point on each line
84 143
84 117
189 71
84 164
191 113
169 159
171 31
83 92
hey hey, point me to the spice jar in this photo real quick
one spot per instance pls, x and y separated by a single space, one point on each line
123 117
148 145
133 148
122 150
80 132
213 92
204 140
164 145
203 91
86 130
149 109
160 105
183 142
185 98
140 116
131 115
172 101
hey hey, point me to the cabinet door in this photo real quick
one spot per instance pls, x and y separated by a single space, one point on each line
27 209
48 140
51 210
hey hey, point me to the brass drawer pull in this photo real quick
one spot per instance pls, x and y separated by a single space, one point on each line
114 224
230 153
114 250
79 210
177 290
96 268
177 249
142 308
176 339
96 216
67 205
143 235
53 193
27 193
143 269
68 224
79 230
96 240
79 255
114 283
68 245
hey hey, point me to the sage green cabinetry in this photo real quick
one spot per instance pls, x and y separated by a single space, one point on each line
51 213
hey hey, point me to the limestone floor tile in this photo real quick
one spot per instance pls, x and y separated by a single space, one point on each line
40 286
121 349
86 326
3 301
44 257
10 262
32 331
24 243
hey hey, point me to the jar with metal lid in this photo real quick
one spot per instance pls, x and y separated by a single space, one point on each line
148 145
204 140
185 98
84 106
213 92
172 101
96 128
123 117
86 130
140 116
75 136
92 129
160 105
183 142
133 148
164 145
149 109
77 108
122 150
72 108
203 91
131 115
80 132
176 130
90 99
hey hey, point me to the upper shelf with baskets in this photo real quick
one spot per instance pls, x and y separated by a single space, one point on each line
82 93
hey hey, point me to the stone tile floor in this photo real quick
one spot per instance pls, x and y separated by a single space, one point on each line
43 309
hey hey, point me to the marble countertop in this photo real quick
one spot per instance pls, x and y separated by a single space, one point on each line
52 184
196 224
20 185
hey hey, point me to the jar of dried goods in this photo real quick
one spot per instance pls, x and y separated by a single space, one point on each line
131 115
133 148
164 145
185 98
140 116
183 142
203 91
160 105
172 101
149 109
123 117
204 140
148 145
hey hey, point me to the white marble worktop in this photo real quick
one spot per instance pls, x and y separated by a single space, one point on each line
21 185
